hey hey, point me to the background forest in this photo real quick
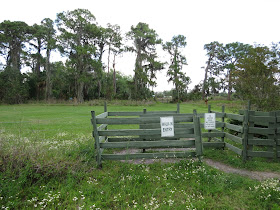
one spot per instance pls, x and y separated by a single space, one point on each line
27 72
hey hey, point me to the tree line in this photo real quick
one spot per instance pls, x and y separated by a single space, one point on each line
84 74
240 70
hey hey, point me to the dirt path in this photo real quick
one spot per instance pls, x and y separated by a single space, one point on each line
258 175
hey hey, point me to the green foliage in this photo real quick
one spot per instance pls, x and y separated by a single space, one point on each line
255 79
146 64
13 87
175 70
79 33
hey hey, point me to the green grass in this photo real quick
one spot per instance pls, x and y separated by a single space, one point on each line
47 161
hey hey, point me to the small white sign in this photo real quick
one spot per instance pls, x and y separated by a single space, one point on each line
167 126
210 121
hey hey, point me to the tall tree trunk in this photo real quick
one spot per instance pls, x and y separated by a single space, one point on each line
37 69
204 82
229 85
99 88
48 94
14 55
80 94
206 77
114 75
109 52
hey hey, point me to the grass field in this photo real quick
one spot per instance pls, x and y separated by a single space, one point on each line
47 162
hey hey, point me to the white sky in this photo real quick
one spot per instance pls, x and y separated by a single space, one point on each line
201 21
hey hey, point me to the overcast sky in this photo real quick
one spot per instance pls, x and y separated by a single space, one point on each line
200 21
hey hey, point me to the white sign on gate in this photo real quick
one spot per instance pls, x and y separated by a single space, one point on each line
210 121
167 126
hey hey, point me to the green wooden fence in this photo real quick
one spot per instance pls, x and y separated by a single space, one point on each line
248 134
141 130
254 134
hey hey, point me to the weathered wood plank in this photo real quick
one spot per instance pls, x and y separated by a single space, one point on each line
157 125
125 113
234 127
102 127
263 119
263 131
161 112
263 142
233 138
218 124
141 132
150 144
102 138
164 115
261 154
121 139
149 155
213 144
158 137
216 139
140 120
235 117
213 134
219 114
259 113
102 115
234 149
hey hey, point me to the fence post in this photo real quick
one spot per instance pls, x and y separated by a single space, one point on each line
144 112
105 106
178 108
245 134
249 105
251 124
223 120
209 131
198 136
272 125
277 134
96 137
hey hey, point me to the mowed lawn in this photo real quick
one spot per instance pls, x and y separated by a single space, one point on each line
47 162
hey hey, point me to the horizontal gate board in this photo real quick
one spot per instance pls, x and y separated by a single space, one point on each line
149 155
263 142
140 120
262 131
235 117
141 132
103 115
213 144
149 144
234 127
233 148
124 113
261 154
234 138
213 134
